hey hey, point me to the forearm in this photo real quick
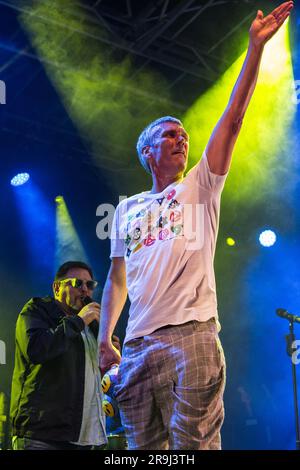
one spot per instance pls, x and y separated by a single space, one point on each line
222 141
246 82
40 343
226 132
113 301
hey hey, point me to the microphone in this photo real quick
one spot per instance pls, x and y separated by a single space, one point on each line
87 300
94 324
281 312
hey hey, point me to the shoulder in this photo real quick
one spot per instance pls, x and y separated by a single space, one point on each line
206 179
39 303
126 204
132 199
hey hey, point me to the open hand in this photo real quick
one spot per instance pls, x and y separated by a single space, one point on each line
263 28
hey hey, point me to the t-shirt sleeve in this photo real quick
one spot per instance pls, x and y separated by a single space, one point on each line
205 178
117 242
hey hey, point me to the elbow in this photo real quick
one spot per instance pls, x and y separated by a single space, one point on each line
36 353
236 125
117 278
234 119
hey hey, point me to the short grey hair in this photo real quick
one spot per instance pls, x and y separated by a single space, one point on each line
146 138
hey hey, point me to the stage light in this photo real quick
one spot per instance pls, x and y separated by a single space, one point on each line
19 179
267 238
230 241
36 216
68 244
59 199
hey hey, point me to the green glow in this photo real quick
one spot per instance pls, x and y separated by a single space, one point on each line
109 103
68 244
3 417
108 100
261 156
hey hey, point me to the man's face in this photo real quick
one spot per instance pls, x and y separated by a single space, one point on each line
169 149
69 296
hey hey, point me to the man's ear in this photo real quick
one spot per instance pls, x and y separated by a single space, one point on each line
147 153
56 287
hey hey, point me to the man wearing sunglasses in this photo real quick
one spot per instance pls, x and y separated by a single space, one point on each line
56 386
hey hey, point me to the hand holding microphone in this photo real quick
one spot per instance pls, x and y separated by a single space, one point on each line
90 312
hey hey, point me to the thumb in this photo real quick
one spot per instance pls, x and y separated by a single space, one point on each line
259 15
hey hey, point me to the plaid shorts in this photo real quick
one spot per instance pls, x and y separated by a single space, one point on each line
170 388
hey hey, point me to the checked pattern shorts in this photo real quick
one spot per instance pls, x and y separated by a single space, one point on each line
170 388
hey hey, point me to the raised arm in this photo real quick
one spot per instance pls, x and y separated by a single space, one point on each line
224 136
113 300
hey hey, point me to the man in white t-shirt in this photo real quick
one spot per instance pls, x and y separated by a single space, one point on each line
172 373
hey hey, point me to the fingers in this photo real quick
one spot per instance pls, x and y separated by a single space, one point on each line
283 7
107 359
90 312
282 10
96 312
282 20
94 308
117 346
94 304
280 14
259 15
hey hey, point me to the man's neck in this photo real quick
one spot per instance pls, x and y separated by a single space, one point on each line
162 182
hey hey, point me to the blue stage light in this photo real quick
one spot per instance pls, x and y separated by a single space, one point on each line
20 179
267 238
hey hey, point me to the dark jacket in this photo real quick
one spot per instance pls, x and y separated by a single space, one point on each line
48 379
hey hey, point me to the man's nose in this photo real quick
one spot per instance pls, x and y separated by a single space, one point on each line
83 287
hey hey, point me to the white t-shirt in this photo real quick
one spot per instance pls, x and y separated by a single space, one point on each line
168 242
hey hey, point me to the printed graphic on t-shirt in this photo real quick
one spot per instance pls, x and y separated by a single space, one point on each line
160 221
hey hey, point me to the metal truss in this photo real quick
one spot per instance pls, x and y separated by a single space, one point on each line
152 30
